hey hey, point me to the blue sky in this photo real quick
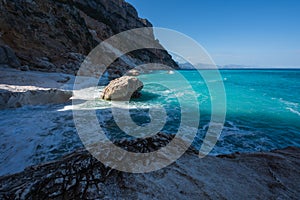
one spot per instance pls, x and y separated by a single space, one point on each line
257 32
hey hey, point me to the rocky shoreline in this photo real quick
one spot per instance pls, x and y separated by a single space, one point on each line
269 175
42 45
19 88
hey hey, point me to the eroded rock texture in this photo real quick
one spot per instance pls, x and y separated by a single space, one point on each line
272 175
56 35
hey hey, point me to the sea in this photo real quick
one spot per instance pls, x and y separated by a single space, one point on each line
262 106
262 114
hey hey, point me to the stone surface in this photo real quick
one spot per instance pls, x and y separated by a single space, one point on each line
43 29
123 88
10 99
271 175
54 29
8 57
22 87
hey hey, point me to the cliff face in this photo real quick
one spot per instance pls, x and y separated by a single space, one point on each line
56 35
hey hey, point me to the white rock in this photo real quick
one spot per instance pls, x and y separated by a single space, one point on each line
123 88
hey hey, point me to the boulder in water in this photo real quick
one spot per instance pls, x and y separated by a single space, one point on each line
123 88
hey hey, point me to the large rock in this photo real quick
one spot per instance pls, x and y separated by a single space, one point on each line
123 88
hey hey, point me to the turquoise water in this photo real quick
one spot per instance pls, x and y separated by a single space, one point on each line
263 111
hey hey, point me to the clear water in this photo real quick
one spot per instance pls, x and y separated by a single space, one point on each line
263 113
263 107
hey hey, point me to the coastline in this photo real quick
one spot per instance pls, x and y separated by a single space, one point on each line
266 69
44 48
39 123
272 174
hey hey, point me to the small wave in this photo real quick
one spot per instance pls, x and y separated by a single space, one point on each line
293 111
288 103
215 81
293 107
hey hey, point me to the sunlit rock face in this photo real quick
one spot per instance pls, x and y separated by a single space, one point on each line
123 88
